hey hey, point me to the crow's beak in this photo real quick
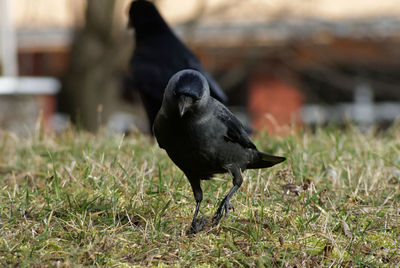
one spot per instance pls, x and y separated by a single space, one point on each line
183 104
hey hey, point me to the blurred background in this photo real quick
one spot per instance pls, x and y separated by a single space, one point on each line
281 62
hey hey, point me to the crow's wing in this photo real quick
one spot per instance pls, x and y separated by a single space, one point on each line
147 77
164 55
235 130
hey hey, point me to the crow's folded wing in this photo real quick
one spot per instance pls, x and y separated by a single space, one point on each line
235 130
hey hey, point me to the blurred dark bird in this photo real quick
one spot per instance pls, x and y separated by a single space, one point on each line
202 137
157 56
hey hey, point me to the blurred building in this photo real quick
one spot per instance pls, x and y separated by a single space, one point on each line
310 62
33 55
281 62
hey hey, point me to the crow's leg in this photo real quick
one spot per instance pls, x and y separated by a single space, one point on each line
225 206
198 196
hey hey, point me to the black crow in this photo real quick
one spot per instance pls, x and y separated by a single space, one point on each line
158 55
202 137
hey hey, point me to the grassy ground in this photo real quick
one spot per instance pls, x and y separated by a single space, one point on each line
78 199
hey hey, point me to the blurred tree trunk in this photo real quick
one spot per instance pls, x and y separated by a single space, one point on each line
97 59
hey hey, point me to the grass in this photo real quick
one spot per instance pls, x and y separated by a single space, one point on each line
78 199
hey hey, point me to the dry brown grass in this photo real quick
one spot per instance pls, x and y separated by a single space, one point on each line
79 199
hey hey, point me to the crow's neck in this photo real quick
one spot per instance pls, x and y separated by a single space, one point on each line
142 35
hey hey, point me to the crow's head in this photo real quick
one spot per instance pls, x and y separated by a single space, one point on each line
145 18
188 90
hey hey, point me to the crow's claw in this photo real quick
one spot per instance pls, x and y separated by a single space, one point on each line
198 225
223 208
228 207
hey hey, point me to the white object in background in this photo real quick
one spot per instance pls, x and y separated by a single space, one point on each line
8 45
29 85
363 108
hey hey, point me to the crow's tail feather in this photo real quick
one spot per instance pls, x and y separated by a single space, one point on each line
266 160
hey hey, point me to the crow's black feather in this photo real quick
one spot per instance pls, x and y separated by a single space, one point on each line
235 130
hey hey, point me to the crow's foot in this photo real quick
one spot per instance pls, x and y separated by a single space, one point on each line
223 208
197 225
